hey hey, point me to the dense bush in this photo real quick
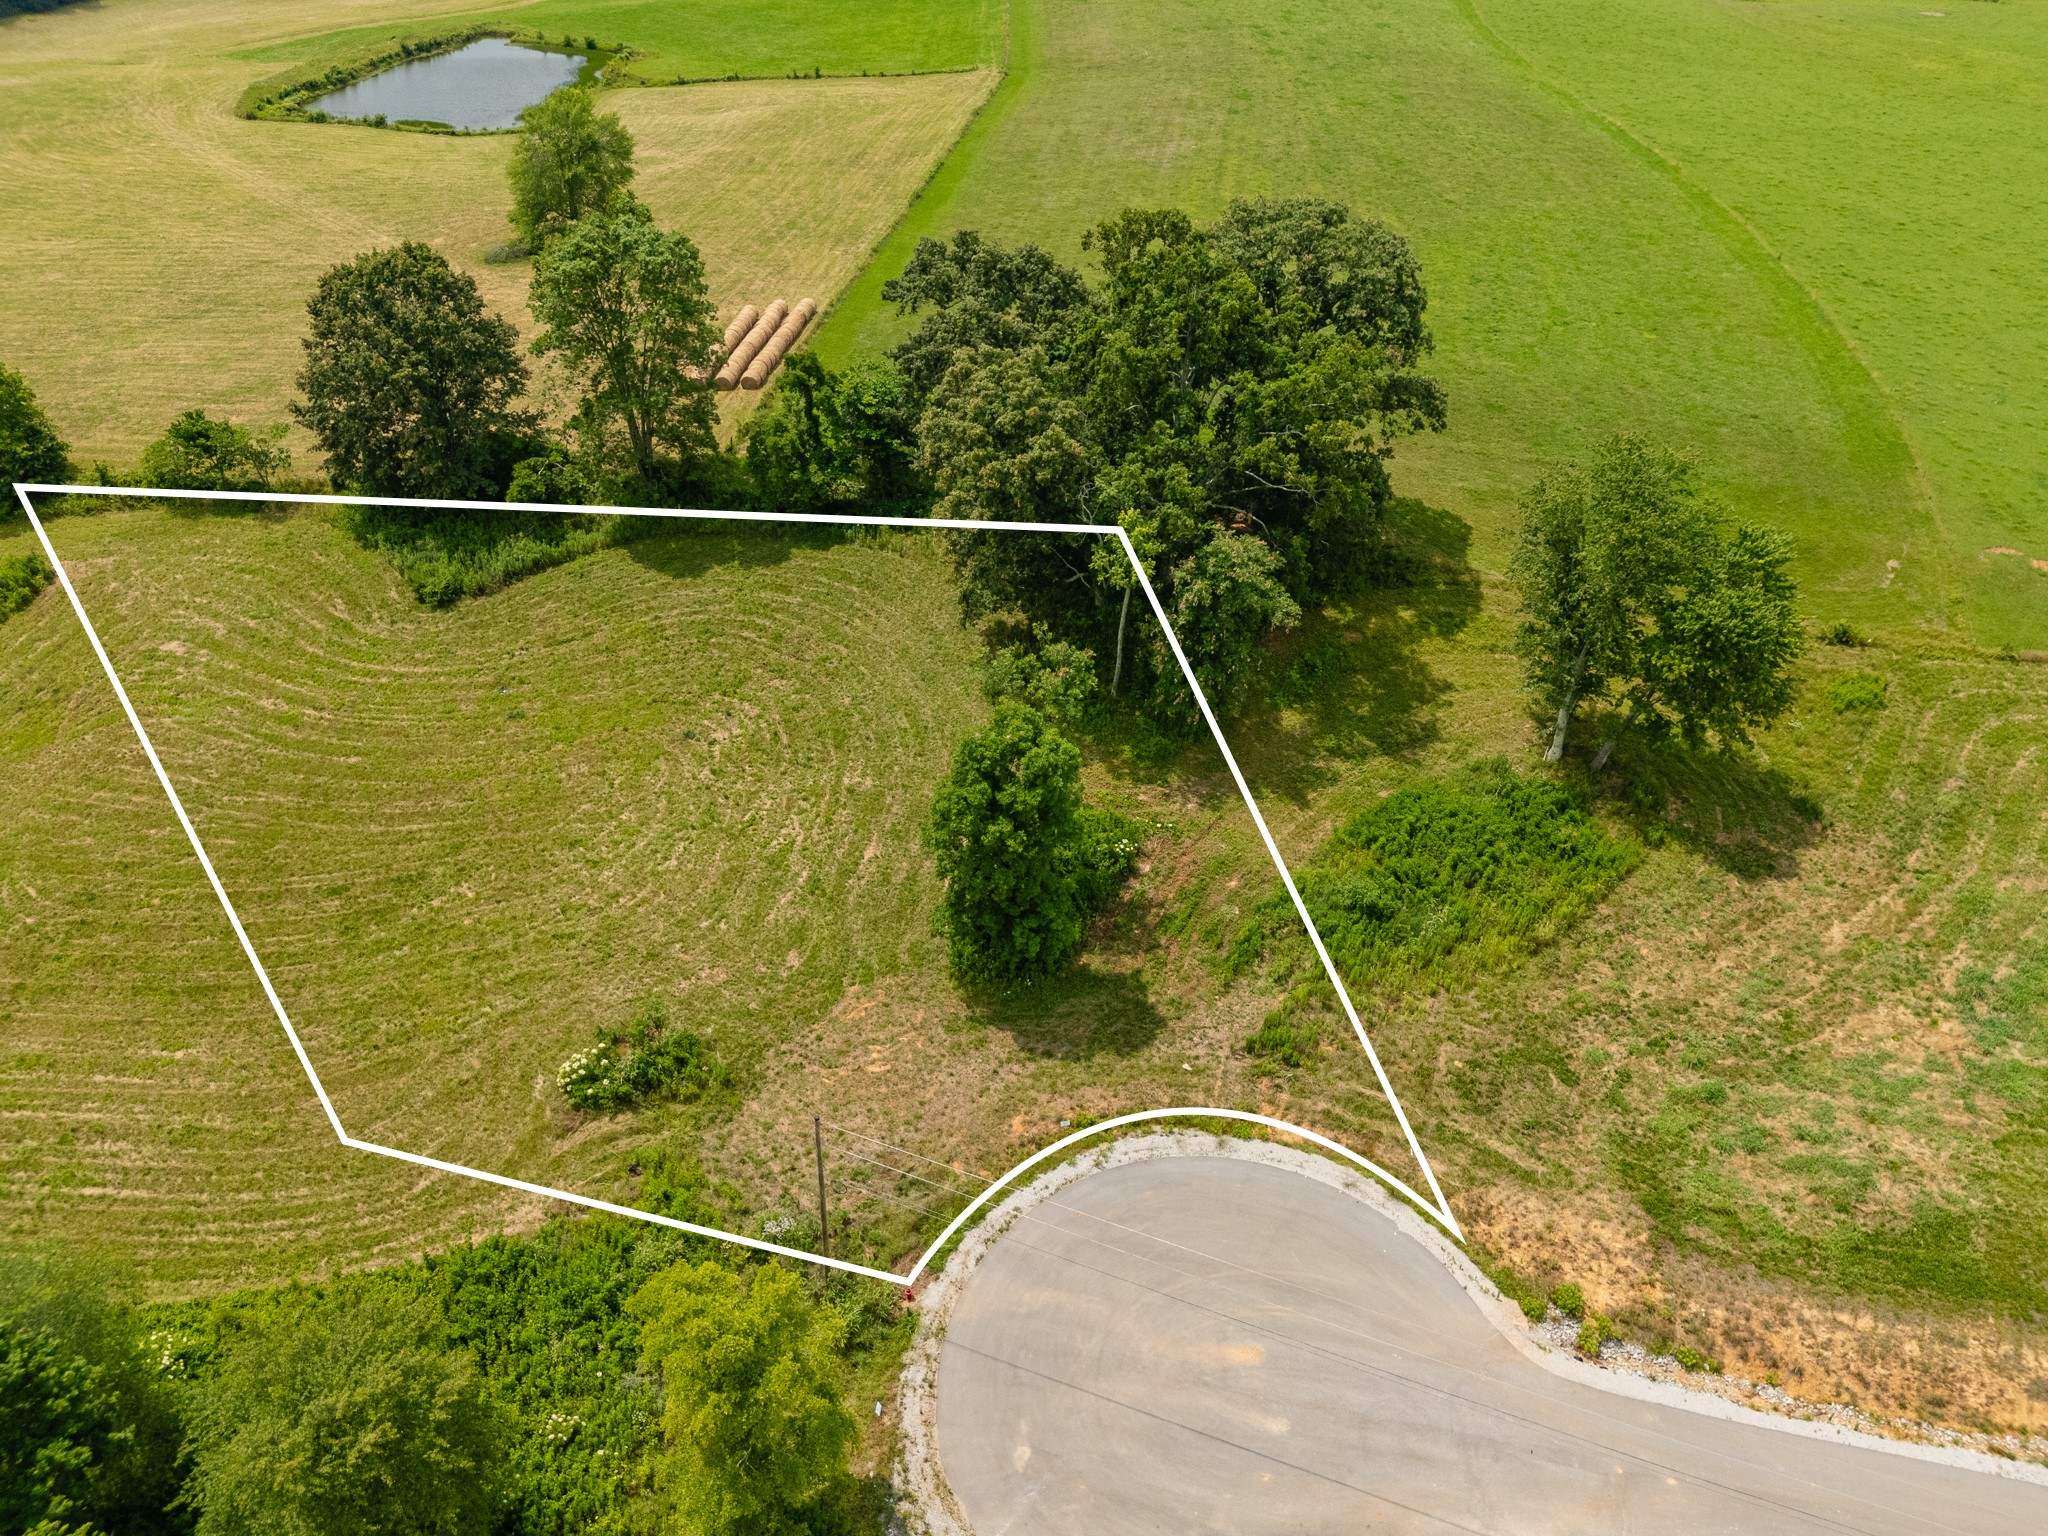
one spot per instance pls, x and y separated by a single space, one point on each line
345 1419
197 453
31 452
447 555
88 1427
653 1056
21 578
1049 675
1446 877
825 441
1025 864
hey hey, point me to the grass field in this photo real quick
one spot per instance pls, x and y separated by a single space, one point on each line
690 769
1722 280
161 250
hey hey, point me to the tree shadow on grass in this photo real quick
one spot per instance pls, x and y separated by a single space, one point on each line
1748 818
687 548
1081 1014
1348 681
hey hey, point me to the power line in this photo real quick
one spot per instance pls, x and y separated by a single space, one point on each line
893 1147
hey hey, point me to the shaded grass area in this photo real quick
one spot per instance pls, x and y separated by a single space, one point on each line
447 556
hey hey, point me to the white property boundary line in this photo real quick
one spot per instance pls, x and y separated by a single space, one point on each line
1438 1208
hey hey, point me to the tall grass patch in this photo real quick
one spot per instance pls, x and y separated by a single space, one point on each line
1446 878
446 556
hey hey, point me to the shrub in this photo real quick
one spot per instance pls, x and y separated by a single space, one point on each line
197 453
1693 1360
1843 633
1593 1332
653 1056
1449 876
1857 691
1025 864
1051 676
30 449
1569 1299
445 556
20 580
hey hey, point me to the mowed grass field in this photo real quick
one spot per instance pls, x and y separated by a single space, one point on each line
690 769
161 250
1806 245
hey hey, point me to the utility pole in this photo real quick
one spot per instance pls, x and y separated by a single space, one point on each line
824 1219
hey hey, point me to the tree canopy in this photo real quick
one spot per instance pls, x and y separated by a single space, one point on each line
409 383
571 161
825 440
757 1436
345 1420
31 452
1248 379
1638 593
625 308
1026 864
88 1434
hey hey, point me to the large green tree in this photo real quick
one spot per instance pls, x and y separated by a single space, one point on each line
345 1419
756 1434
31 452
625 307
410 384
1248 379
1641 595
88 1428
570 161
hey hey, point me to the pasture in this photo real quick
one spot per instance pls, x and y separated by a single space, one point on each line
1798 238
161 250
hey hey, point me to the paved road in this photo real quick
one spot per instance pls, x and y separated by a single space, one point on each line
1205 1344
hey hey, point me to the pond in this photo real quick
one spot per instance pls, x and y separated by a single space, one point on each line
485 84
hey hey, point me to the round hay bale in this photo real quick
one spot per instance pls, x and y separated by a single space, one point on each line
785 336
753 342
742 323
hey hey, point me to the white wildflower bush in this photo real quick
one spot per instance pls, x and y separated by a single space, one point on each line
653 1056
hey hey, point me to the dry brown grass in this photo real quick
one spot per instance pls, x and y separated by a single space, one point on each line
160 250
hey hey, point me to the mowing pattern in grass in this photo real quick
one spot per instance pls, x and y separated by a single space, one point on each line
183 280
689 770
1574 286
1912 213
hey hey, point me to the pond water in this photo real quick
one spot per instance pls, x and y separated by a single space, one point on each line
485 84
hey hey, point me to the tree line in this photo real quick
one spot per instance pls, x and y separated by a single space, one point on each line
594 1377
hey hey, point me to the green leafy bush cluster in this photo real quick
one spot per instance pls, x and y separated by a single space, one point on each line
1447 877
20 580
652 1057
198 453
1696 1360
445 556
1855 691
